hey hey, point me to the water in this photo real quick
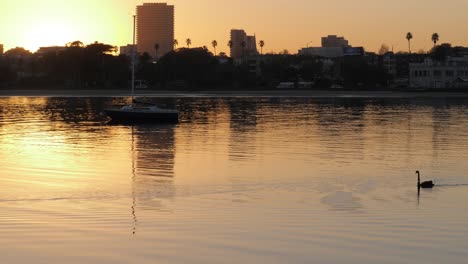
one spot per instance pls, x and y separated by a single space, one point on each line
238 180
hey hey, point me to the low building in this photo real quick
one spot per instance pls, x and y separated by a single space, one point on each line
332 47
50 50
451 73
324 52
127 50
334 41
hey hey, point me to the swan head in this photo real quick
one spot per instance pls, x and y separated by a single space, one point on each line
417 172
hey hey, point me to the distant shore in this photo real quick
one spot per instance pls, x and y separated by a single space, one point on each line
233 93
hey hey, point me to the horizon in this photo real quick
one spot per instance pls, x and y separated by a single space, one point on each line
369 24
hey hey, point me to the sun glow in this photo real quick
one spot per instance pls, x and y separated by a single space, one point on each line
32 24
48 34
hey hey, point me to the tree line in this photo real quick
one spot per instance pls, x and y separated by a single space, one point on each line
95 66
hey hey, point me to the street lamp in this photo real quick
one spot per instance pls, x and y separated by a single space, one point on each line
307 45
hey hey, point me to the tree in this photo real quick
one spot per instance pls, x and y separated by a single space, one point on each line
156 47
435 38
441 52
189 42
230 46
17 52
76 44
243 45
195 66
176 43
409 37
262 44
384 49
214 43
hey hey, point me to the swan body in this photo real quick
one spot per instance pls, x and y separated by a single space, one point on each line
426 184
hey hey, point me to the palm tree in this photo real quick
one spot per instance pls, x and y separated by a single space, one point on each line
409 37
156 47
230 46
189 42
176 43
214 43
435 38
262 44
243 45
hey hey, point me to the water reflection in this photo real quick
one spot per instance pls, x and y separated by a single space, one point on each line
292 177
243 122
153 154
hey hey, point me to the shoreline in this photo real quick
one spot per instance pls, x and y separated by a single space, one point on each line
234 93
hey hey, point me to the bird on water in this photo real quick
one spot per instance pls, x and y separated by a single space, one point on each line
426 184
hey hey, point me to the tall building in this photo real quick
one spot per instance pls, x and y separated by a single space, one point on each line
1 49
155 26
334 41
242 45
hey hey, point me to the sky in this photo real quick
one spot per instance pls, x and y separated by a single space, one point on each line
282 24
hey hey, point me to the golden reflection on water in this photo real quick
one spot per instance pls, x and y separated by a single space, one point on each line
263 180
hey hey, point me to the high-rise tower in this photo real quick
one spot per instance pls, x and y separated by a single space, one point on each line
155 29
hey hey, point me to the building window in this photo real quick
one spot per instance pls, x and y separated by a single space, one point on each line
449 73
437 73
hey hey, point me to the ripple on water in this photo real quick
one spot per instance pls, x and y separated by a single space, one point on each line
237 180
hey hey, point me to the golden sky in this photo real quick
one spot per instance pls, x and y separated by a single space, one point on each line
282 24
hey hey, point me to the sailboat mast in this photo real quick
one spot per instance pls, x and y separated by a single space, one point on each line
133 58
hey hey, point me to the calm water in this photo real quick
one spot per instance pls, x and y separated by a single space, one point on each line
236 181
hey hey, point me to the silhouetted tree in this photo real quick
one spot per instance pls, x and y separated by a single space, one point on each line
230 46
262 44
76 43
188 42
156 47
441 52
435 38
196 66
311 69
18 52
409 37
214 43
176 43
384 49
243 44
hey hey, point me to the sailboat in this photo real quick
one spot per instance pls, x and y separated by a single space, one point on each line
145 112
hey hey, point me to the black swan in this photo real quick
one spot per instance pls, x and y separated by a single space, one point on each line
426 184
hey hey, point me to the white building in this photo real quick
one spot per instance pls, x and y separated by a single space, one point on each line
452 73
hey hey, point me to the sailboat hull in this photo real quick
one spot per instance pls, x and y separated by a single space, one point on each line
125 116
